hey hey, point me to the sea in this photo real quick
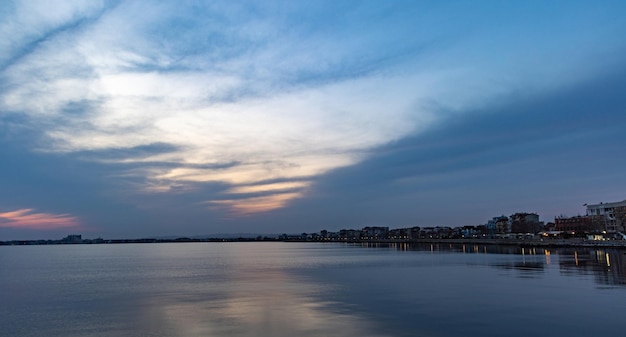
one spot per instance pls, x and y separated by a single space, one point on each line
310 289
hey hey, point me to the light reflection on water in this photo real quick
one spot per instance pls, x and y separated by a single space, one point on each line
607 266
309 289
167 290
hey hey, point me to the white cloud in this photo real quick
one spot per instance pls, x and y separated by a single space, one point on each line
26 22
280 103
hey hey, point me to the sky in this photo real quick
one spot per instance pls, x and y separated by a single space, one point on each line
130 119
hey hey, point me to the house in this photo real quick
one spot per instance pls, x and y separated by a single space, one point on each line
525 223
575 224
610 216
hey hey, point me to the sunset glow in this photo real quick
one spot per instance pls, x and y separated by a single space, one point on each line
29 219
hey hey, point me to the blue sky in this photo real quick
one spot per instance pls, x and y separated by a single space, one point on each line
147 118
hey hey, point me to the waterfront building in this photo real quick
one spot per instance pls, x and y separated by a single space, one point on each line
349 234
525 223
611 216
411 233
399 234
499 224
72 239
576 224
374 233
438 232
324 234
415 232
550 226
470 232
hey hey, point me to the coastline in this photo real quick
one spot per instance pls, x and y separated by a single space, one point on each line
546 243
555 243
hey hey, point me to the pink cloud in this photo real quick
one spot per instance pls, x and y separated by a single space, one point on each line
28 219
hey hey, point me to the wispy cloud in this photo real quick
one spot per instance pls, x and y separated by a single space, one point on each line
268 187
30 219
251 205
212 112
282 91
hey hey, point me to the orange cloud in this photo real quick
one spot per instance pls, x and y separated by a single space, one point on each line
256 204
28 219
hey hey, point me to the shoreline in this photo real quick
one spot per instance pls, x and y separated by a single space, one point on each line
556 243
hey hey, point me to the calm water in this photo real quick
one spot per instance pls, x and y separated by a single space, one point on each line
309 289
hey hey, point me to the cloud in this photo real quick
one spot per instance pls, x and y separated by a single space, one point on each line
251 205
29 219
301 131
545 153
243 94
28 24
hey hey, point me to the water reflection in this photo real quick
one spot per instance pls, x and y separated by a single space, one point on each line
607 266
170 290
260 304
526 268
